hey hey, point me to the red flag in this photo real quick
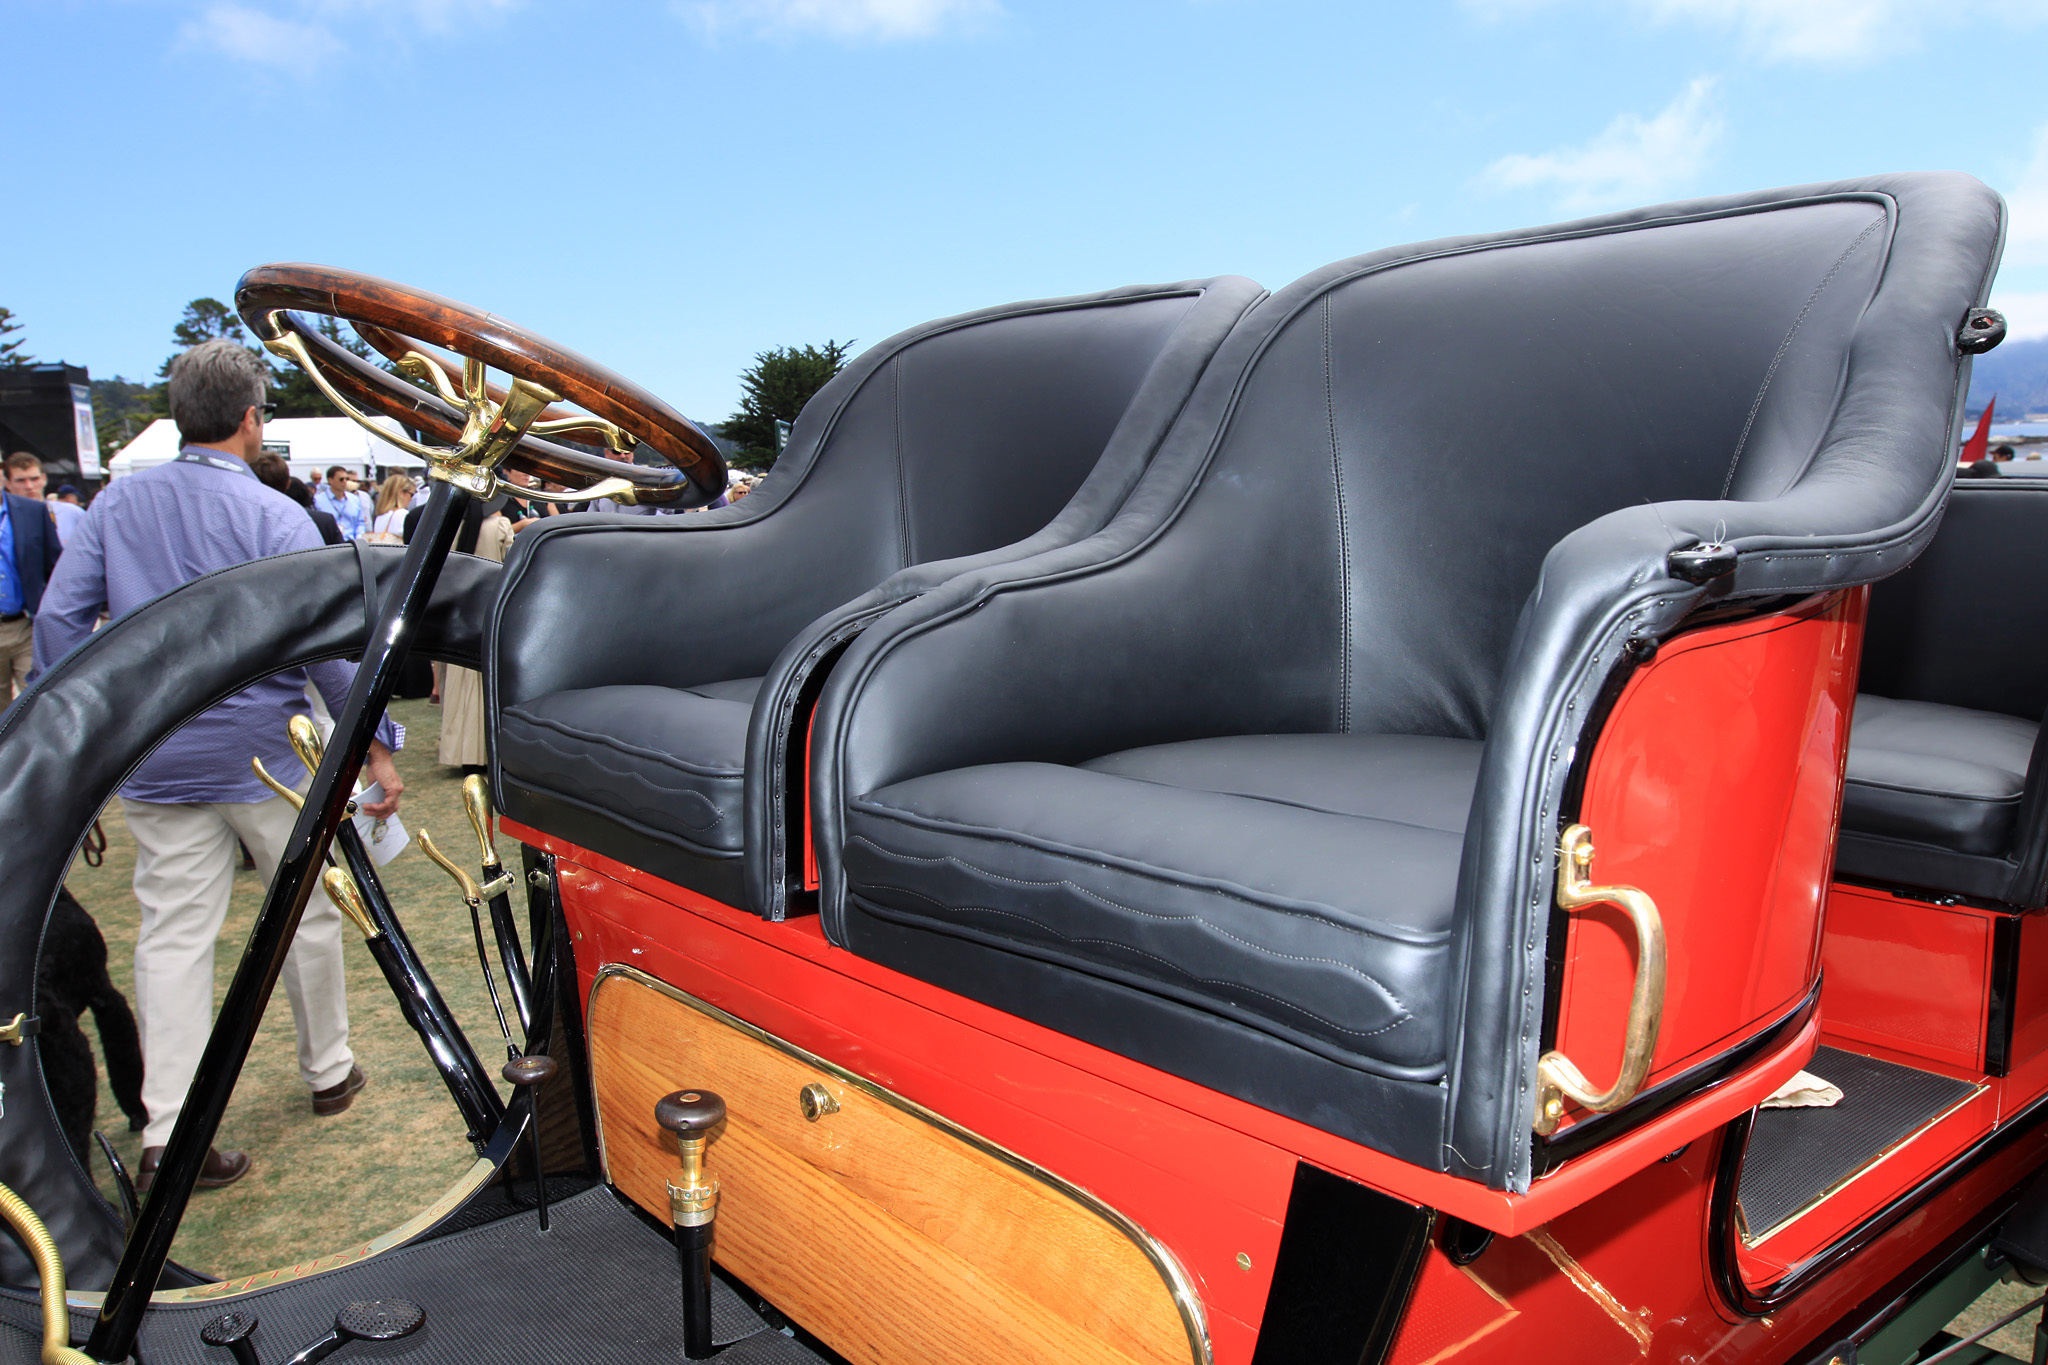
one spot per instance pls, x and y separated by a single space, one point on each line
1973 449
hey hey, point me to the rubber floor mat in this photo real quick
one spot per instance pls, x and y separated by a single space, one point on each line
1797 1155
599 1285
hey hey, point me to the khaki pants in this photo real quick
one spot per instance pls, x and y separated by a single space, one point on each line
185 864
17 654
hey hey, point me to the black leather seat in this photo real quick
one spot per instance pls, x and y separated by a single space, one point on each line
1946 792
1943 775
1262 784
649 671
1219 871
666 758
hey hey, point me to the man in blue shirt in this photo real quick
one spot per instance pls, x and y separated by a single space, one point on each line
339 499
28 552
195 795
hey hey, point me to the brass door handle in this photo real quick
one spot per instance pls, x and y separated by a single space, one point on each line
1557 1078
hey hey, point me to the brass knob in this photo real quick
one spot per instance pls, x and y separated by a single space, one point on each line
816 1102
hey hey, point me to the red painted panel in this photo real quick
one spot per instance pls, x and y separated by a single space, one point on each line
1906 974
1715 787
1187 1123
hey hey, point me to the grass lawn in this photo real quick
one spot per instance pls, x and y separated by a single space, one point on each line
316 1185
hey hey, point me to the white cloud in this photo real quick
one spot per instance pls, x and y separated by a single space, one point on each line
1632 158
844 20
2026 200
1827 31
304 35
252 36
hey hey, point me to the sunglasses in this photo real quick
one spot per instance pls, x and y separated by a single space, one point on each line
269 410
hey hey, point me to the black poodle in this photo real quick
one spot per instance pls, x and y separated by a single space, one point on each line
71 979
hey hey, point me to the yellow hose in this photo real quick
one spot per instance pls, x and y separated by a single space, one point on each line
57 1349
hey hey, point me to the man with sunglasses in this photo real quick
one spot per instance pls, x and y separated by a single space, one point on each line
191 799
340 500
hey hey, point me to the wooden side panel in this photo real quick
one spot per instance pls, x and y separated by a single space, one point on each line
885 1235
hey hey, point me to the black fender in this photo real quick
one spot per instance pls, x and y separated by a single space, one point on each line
70 741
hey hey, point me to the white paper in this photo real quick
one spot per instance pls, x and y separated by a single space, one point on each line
1805 1091
385 839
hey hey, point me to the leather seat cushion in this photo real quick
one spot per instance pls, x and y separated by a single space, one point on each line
1299 884
668 761
1931 774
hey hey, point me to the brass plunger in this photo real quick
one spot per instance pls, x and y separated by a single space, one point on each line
693 1205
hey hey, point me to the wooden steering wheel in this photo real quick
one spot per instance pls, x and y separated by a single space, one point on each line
484 426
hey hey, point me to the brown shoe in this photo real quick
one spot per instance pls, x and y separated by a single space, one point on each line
337 1097
221 1168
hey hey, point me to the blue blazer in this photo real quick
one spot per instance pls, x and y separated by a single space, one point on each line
35 547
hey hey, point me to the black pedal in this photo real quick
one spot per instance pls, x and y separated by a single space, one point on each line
364 1320
232 1330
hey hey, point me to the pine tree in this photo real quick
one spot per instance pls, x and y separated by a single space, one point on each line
774 389
11 355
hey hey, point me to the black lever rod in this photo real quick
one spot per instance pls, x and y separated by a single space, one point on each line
469 1085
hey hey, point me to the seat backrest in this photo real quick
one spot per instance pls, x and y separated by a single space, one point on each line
1966 624
1422 431
951 440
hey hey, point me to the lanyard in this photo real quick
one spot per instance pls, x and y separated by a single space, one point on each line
194 455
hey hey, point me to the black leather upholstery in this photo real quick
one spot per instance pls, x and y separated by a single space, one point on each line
1329 547
1945 792
965 442
669 759
1220 872
1937 774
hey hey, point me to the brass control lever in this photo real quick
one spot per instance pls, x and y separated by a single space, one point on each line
693 1204
497 894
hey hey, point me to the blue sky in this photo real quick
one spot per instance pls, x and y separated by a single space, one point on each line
671 187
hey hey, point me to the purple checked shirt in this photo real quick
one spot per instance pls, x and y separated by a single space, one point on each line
152 532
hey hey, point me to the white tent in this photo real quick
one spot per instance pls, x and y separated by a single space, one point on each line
311 445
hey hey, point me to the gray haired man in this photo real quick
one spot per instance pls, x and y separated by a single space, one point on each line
191 799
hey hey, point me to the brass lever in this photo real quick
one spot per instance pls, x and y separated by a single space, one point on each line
1557 1078
306 741
476 800
307 744
263 775
471 892
341 889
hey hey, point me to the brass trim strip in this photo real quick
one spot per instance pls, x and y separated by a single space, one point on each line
453 1198
1185 1298
1876 1160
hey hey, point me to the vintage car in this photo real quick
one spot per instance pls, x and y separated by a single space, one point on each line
1155 836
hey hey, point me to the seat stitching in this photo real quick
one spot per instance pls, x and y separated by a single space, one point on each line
1343 539
672 795
609 741
1786 345
1356 971
1405 1013
1281 801
1393 933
